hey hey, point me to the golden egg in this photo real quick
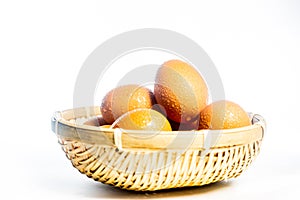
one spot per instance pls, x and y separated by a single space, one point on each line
123 99
223 115
181 90
143 119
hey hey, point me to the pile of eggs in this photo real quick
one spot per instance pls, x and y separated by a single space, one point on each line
179 101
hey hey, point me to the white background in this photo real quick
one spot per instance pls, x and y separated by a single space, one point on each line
255 46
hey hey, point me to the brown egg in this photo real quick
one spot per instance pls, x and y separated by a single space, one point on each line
143 119
223 115
123 99
181 90
176 126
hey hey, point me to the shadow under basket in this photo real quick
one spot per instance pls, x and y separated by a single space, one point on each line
148 161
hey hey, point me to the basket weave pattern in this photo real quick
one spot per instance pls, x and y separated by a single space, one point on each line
119 168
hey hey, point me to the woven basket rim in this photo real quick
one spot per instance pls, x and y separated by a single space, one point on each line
62 126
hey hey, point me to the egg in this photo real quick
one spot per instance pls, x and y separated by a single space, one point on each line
181 90
223 115
123 99
176 126
143 119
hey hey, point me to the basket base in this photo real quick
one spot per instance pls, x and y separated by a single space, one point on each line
157 170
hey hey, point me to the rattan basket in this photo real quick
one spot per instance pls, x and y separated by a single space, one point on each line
164 160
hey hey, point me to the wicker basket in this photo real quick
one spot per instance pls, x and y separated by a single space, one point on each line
164 160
